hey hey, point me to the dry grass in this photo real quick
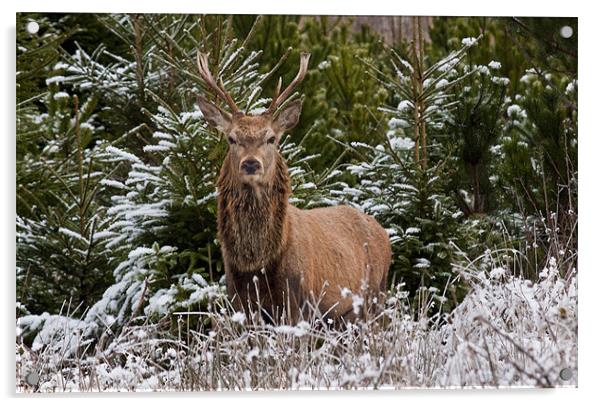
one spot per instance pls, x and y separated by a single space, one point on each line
507 332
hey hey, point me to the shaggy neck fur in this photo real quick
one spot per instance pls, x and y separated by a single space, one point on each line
252 220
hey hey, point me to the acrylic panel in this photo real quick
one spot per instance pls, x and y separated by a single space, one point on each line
281 202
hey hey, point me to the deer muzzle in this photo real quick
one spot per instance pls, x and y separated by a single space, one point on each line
250 166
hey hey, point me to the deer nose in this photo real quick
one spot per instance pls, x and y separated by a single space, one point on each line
250 166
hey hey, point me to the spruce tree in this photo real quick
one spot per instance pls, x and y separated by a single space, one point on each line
61 212
402 181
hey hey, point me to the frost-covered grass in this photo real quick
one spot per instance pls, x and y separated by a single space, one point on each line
508 331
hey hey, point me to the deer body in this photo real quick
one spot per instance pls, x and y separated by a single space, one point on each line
276 256
291 255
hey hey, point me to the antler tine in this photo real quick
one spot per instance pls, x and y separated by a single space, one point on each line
276 94
279 98
218 88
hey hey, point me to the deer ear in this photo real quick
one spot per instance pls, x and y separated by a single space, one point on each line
216 117
289 117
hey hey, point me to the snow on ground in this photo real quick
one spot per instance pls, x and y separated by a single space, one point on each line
507 332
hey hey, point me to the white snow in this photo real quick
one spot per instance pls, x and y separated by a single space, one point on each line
357 302
398 123
515 110
112 183
308 185
238 317
422 263
500 80
471 347
73 234
140 251
61 95
123 154
404 105
55 79
495 65
324 65
497 273
401 143
570 88
469 41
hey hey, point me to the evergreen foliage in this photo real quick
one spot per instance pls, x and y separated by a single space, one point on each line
395 181
61 204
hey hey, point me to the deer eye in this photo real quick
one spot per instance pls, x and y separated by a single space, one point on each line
231 141
271 140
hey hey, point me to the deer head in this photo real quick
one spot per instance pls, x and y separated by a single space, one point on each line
253 139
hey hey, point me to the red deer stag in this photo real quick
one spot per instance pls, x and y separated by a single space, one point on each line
276 256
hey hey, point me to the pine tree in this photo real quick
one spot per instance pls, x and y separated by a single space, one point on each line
396 180
475 134
539 165
61 217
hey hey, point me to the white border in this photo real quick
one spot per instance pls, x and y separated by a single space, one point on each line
590 151
336 7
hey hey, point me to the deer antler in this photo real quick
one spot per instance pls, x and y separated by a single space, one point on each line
217 87
279 98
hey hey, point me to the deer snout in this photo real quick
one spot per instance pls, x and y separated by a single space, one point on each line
250 166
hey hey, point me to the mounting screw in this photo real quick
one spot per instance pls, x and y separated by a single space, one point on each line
32 379
33 27
566 374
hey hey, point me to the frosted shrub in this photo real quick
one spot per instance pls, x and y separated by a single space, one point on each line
507 332
512 331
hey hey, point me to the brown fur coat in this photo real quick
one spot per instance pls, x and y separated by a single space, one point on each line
289 255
